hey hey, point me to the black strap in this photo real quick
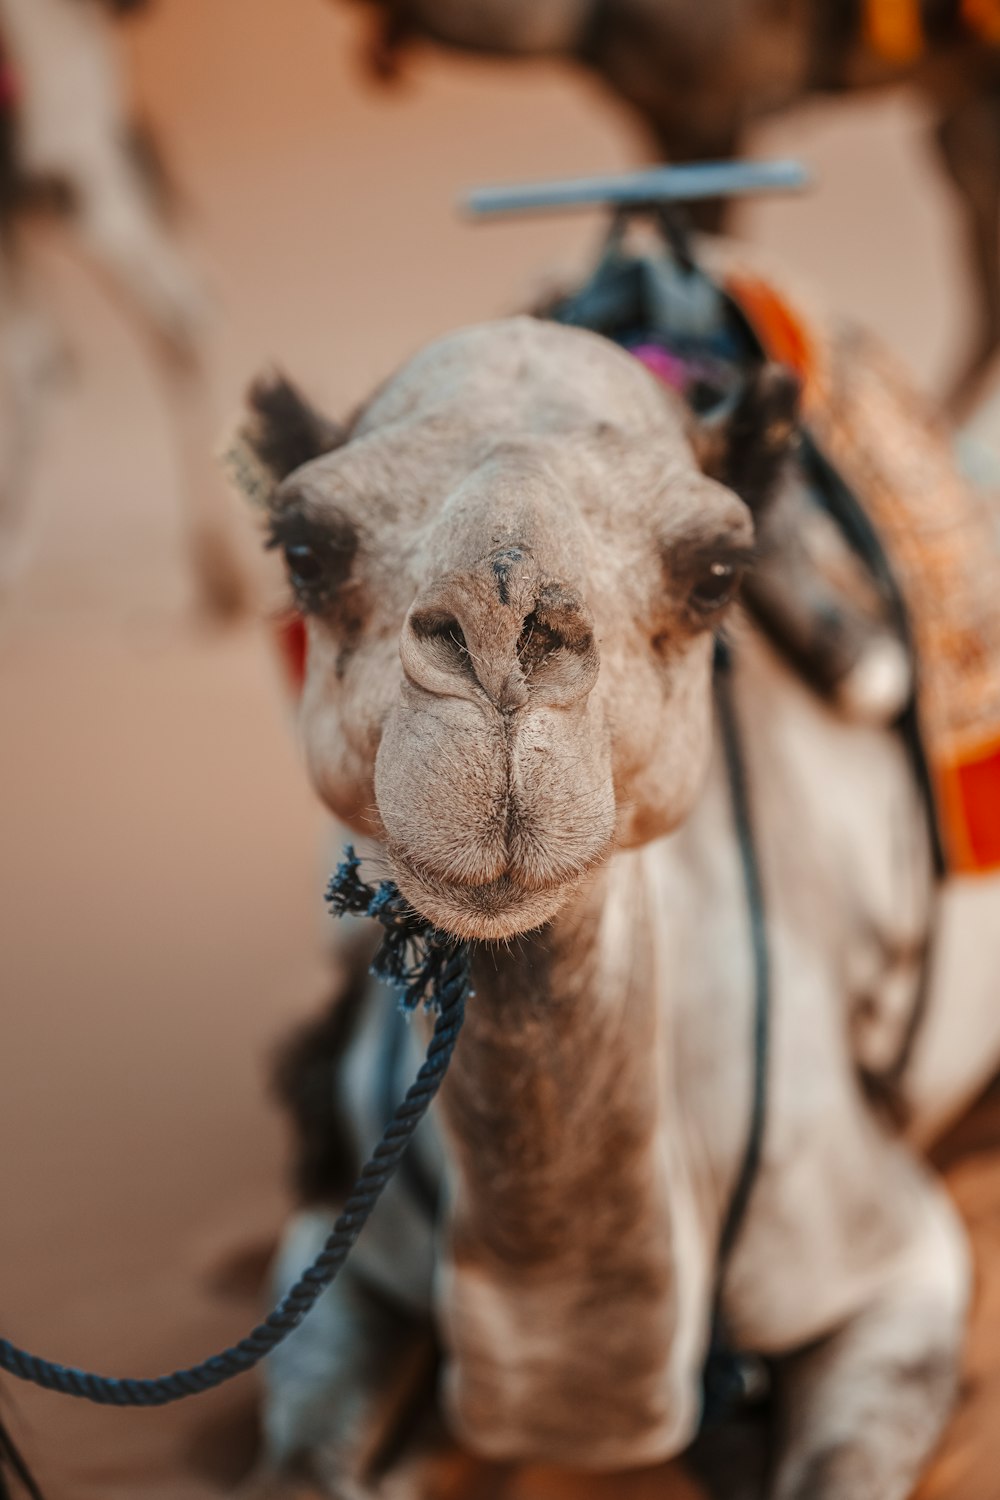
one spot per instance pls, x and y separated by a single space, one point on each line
843 505
730 1377
753 887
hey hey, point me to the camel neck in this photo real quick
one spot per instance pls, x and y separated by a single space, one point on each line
558 1077
557 1099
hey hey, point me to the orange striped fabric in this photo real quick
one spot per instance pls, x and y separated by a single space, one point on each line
938 532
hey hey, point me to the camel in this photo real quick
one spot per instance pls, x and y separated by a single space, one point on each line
697 76
515 569
67 141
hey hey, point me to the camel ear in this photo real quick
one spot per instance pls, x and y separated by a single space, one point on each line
745 444
280 432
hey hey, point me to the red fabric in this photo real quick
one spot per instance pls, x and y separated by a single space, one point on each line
290 634
970 804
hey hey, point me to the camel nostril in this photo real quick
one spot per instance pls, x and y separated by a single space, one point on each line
435 649
537 642
553 655
440 628
556 650
555 624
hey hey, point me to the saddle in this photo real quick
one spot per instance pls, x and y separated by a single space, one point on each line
918 554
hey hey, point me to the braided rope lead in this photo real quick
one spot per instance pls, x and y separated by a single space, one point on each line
428 966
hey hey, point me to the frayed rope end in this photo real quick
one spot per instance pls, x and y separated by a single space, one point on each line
413 952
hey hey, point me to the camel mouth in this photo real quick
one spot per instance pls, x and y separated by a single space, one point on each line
492 912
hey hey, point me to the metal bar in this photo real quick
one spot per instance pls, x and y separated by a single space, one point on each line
681 184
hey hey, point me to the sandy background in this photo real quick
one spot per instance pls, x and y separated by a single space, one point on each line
160 921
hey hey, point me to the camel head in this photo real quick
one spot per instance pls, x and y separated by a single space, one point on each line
513 569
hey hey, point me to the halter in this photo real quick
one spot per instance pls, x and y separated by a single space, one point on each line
730 1376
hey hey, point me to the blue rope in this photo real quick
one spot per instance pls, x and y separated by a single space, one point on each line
428 966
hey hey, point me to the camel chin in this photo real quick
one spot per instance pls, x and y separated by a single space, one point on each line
493 912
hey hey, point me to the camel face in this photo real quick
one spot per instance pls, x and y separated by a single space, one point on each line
512 572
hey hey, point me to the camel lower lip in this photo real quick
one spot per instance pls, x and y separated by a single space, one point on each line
498 910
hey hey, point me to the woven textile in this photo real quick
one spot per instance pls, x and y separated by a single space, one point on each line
939 532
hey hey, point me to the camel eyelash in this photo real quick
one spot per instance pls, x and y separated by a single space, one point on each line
318 556
684 567
287 527
737 558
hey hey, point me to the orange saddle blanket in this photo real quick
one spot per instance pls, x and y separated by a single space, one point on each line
940 534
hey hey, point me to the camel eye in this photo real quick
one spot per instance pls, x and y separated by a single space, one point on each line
716 587
309 573
305 566
318 558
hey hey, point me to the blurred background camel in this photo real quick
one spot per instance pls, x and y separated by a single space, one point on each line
698 75
69 144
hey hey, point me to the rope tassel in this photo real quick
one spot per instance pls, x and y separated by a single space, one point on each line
427 966
413 955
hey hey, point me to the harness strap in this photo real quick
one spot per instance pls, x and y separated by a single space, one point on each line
731 1377
753 887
